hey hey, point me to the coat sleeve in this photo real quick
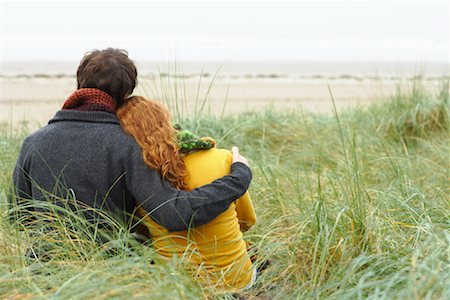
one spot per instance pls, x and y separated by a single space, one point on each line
179 210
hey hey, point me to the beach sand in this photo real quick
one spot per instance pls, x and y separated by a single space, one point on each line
35 100
33 92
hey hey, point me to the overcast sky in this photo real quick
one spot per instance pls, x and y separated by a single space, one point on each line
413 31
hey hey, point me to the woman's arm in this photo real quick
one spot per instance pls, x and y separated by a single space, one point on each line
245 212
244 206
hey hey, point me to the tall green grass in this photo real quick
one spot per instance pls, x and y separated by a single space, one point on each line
350 206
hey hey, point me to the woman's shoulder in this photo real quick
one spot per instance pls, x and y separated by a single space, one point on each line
206 166
217 153
222 152
213 154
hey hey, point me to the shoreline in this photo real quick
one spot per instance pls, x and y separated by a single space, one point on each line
239 67
248 76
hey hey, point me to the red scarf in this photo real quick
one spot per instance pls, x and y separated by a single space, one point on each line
90 99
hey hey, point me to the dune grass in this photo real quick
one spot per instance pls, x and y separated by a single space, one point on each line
353 205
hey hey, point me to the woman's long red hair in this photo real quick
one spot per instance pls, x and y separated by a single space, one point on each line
150 125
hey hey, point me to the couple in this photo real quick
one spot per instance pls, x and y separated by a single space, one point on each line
121 154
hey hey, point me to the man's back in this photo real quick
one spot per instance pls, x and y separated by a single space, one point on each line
80 155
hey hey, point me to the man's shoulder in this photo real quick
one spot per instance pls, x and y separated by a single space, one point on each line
37 135
114 133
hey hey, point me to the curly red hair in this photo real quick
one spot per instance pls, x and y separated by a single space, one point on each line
150 124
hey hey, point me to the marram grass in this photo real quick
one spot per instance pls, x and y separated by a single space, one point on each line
350 206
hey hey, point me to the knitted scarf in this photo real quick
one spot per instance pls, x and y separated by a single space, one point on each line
188 141
90 99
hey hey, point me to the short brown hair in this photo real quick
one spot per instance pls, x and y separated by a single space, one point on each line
109 70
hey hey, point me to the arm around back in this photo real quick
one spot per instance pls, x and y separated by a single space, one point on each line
179 210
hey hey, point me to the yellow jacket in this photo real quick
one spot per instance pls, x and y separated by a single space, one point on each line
217 252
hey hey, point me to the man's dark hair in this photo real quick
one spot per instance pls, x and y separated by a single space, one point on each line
109 70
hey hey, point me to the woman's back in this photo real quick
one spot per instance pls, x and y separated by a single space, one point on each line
218 246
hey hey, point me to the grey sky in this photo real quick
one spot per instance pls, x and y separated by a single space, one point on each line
194 31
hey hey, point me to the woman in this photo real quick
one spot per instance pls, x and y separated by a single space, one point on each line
216 251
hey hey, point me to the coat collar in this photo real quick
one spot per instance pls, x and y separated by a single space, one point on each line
85 116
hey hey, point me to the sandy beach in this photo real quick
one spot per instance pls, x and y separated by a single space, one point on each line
34 97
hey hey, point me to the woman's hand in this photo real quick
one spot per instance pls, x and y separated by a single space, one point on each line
237 157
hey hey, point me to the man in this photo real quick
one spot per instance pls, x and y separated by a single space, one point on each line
84 154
